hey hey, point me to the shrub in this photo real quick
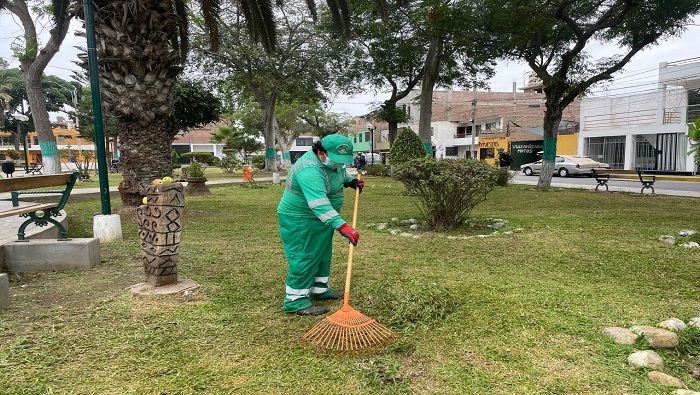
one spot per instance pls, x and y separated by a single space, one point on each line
503 177
407 146
377 170
229 163
12 154
195 170
448 189
202 157
258 161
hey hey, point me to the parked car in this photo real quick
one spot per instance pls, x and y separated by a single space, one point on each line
566 165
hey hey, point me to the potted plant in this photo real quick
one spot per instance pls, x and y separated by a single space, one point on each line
196 182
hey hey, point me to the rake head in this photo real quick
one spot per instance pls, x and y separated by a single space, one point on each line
348 332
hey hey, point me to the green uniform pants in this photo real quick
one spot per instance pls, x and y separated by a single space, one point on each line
308 246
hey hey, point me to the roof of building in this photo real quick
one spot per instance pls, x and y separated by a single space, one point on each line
522 113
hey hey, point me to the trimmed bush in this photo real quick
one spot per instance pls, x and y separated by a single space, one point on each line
258 161
230 163
195 170
504 177
377 170
407 146
448 189
12 154
201 157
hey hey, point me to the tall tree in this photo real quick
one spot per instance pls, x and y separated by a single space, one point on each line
552 37
386 53
33 61
296 67
455 55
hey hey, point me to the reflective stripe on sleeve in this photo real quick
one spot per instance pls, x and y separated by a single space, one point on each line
328 215
319 202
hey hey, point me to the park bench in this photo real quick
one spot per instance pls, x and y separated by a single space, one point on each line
34 168
39 213
602 176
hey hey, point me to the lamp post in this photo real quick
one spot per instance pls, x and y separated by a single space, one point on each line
22 129
371 140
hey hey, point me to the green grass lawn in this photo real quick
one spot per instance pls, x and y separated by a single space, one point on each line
509 314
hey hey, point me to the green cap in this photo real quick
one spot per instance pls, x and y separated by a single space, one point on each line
339 148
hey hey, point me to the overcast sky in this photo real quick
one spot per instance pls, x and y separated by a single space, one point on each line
638 75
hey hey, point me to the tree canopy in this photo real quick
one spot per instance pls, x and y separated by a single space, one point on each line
552 38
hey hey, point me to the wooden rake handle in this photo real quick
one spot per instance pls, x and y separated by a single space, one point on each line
346 297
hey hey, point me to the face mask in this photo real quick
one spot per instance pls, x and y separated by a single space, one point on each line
332 165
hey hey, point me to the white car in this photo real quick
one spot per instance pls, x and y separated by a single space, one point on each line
566 165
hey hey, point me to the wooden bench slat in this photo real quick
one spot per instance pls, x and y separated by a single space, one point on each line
26 209
33 182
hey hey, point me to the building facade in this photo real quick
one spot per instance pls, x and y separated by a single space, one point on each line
474 124
646 131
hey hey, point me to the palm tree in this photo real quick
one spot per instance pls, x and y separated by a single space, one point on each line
142 48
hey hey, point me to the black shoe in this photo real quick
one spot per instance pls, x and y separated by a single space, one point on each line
312 310
335 295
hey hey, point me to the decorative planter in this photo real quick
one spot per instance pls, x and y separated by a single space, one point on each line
197 186
160 228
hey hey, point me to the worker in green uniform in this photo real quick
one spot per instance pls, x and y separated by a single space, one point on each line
308 215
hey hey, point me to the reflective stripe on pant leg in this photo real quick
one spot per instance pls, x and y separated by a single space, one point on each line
302 262
324 249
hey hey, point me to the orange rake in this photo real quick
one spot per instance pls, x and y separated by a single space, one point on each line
347 331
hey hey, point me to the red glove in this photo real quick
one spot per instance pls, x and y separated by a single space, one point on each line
357 184
351 233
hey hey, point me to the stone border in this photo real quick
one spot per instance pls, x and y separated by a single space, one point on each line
662 336
683 233
401 227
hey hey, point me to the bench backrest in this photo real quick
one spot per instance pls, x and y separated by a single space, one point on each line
617 171
33 182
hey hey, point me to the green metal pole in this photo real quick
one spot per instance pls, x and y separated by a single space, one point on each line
96 106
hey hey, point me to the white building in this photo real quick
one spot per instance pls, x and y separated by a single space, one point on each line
647 130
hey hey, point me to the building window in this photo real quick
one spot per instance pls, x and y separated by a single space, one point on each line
304 141
367 138
491 126
451 151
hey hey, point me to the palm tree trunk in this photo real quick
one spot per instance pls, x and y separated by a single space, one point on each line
145 149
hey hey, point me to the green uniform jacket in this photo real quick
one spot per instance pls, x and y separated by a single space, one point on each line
314 191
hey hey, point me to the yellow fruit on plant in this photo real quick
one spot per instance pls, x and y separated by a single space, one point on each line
167 180
145 200
157 181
